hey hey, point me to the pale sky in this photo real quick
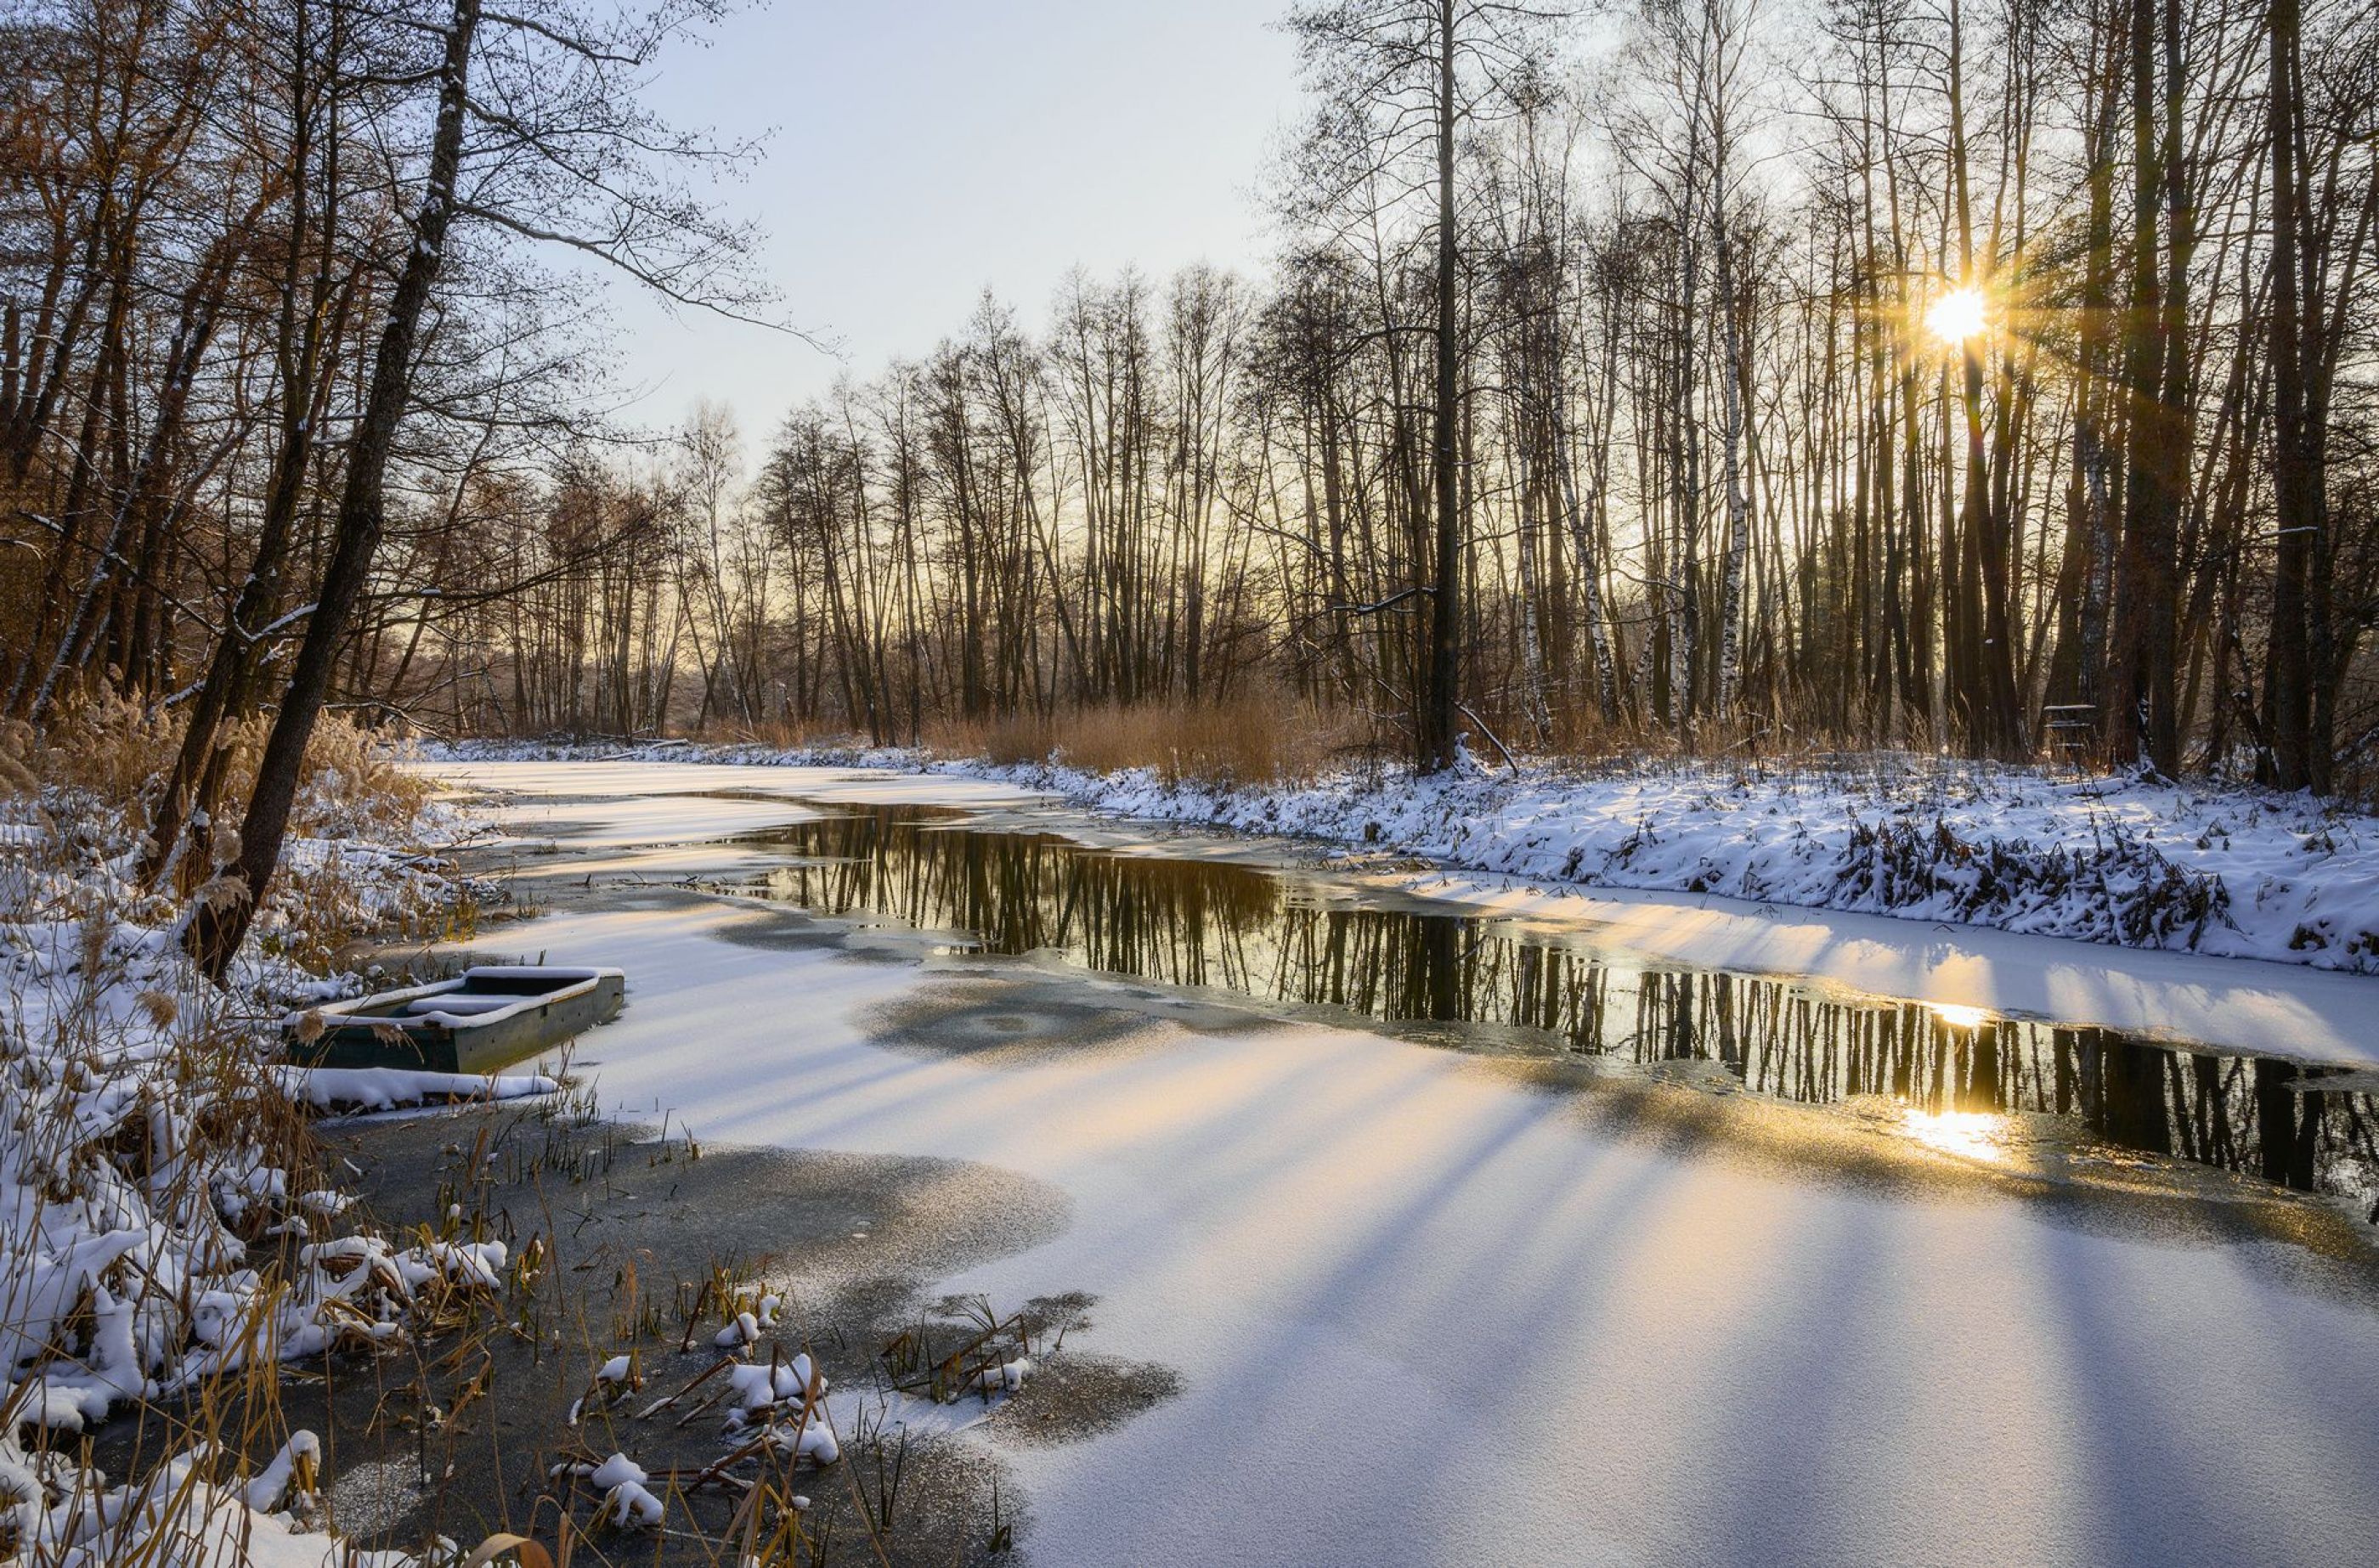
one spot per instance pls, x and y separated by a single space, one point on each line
929 149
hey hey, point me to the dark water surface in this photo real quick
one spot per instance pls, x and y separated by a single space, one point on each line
1289 939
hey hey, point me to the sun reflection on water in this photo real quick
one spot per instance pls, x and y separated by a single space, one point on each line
1973 1135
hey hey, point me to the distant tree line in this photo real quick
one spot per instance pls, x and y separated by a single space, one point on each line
1720 373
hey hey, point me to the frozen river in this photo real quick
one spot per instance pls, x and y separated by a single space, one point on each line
1530 1234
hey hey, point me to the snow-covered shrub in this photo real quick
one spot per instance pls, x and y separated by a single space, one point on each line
2118 890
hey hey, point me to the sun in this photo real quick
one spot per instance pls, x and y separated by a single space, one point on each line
1956 315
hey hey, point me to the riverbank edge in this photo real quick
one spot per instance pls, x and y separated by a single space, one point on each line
2126 863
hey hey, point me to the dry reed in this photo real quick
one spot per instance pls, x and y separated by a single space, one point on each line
1260 736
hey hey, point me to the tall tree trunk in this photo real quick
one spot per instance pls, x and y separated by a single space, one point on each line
2148 730
1735 387
1438 730
2299 482
188 792
222 920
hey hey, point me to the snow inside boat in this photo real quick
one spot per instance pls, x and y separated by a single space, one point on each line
491 1017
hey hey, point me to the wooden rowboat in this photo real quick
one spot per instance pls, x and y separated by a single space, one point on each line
493 1015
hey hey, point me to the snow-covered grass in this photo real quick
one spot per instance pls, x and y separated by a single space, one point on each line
167 1230
179 1517
945 1371
2132 861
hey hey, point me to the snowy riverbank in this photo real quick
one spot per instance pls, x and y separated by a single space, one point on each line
2227 873
167 1235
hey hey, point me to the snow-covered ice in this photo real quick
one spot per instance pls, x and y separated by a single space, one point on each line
1426 1312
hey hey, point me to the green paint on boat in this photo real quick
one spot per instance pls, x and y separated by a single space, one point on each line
491 1017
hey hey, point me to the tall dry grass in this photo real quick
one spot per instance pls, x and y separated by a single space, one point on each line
785 732
1262 736
118 752
1790 724
136 1095
1267 736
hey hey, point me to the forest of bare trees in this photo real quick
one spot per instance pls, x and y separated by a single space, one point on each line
272 313
1970 374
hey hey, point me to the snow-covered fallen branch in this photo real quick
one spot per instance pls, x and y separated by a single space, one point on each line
388 1089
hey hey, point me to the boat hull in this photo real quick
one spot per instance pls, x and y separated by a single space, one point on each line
490 1018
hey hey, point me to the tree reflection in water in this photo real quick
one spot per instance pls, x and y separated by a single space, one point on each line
1286 939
